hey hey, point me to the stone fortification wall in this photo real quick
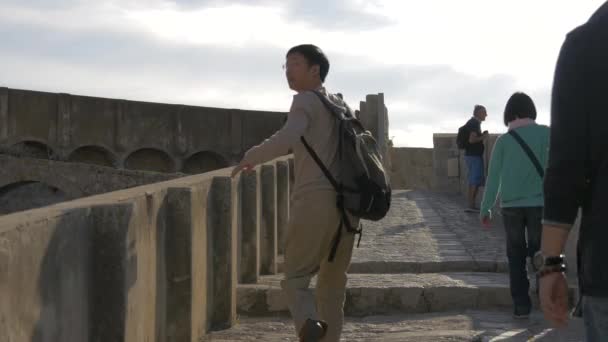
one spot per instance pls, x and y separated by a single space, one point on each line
129 134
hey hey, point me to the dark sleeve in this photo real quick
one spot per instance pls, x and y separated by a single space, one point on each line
473 126
477 127
565 177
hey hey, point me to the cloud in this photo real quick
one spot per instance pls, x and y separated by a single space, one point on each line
96 51
112 64
427 99
338 15
342 15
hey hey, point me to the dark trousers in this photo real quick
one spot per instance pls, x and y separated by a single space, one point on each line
518 221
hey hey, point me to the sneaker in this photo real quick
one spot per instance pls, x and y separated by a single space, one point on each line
521 312
312 331
471 210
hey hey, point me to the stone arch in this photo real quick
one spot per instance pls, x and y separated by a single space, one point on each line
204 161
25 195
93 155
33 149
150 159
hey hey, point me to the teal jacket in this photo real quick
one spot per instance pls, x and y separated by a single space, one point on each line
512 175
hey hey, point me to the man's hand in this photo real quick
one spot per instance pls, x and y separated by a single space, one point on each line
241 167
554 298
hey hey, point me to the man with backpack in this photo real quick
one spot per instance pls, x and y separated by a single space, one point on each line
339 179
471 140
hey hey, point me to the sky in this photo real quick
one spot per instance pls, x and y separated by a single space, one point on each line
432 59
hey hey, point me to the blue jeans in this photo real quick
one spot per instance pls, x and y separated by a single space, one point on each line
518 221
595 315
475 169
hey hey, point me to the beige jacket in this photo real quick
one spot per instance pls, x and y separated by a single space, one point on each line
307 117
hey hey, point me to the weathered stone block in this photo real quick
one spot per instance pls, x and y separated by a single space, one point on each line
186 264
250 198
268 229
115 267
453 167
282 174
292 175
45 277
222 246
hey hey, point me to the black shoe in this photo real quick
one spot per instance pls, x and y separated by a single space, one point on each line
312 331
521 312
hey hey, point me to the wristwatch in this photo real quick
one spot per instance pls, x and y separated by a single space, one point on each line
540 260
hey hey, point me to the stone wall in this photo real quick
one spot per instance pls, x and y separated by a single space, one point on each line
27 183
411 168
129 134
450 172
153 263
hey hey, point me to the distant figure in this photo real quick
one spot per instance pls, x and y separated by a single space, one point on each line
314 214
577 176
471 139
516 174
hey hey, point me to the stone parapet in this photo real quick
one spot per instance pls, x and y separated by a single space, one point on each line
158 262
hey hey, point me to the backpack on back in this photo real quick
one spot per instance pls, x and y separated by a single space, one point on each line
362 184
462 139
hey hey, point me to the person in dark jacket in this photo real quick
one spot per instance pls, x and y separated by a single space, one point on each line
577 176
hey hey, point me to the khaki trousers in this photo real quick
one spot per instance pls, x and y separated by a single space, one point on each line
313 223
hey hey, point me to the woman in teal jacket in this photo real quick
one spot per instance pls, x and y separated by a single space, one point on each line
514 177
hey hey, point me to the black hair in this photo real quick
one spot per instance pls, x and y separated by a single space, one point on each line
519 106
314 56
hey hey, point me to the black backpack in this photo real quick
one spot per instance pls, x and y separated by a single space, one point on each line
362 184
462 139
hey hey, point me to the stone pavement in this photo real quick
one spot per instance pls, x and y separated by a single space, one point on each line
426 272
482 326
429 232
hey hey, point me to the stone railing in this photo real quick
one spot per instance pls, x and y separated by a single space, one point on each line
158 262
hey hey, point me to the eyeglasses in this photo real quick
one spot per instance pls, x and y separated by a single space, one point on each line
290 65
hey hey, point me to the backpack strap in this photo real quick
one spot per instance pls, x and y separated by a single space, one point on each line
529 152
322 166
344 221
332 107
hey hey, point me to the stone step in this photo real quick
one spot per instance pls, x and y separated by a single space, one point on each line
415 266
381 294
435 266
468 325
